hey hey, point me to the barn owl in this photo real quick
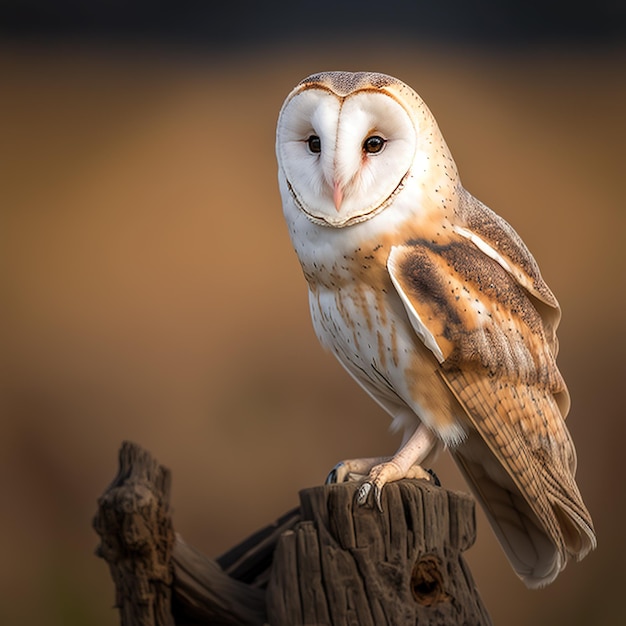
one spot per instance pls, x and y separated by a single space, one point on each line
435 306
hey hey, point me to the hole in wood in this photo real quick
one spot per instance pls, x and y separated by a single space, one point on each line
427 581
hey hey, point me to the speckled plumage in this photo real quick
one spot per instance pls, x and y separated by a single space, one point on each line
435 306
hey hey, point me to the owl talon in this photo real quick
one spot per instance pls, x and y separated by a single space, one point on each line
339 474
378 494
434 478
333 475
363 493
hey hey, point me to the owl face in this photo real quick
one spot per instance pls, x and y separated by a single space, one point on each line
345 146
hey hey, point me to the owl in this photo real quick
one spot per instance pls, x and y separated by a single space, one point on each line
435 306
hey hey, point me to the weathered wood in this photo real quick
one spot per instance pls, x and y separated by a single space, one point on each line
135 527
159 579
345 564
229 591
251 560
205 594
328 562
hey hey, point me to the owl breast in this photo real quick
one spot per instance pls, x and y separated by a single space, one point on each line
358 316
367 338
358 327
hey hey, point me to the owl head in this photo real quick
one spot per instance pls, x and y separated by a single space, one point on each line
347 143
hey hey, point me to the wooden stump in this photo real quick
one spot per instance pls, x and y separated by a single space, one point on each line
329 562
351 565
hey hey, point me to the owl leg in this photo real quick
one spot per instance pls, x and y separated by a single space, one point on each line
404 464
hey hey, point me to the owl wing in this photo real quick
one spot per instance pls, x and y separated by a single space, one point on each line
495 237
490 320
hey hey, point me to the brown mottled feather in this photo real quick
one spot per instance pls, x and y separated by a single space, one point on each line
344 83
500 365
537 454
496 231
475 309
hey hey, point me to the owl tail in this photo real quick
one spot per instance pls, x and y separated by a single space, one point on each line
537 538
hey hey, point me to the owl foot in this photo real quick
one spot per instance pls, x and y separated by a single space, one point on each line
385 473
354 469
376 472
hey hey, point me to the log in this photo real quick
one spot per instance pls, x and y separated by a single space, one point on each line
352 565
327 562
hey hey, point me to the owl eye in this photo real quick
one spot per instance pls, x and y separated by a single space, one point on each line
315 144
374 144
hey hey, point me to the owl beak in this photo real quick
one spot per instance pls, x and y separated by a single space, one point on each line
337 195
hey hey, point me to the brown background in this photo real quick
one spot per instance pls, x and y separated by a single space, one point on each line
151 293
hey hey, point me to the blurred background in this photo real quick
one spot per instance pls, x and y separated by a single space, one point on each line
150 291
